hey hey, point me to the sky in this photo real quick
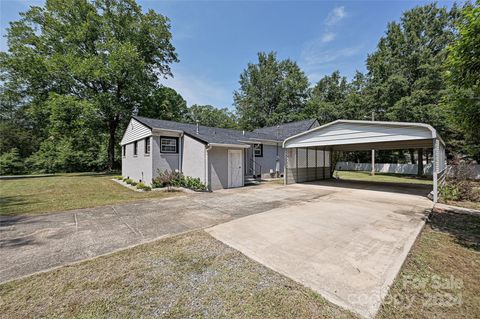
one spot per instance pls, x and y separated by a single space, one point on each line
215 40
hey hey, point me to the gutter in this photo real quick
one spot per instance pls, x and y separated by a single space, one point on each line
228 145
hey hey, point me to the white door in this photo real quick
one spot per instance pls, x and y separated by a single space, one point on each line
235 167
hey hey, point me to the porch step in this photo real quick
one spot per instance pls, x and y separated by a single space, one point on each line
250 180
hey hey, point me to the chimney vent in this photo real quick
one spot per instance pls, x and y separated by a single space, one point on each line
197 127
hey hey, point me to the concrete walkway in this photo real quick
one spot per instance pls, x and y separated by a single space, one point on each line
348 245
29 244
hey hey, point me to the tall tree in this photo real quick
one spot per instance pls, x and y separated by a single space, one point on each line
107 53
405 71
271 92
209 115
463 76
164 103
333 98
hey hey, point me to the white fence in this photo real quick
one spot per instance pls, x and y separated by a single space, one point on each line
408 169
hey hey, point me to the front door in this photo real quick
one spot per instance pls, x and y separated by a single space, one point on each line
235 167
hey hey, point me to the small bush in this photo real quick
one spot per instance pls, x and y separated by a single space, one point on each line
143 187
176 179
128 181
118 178
11 164
133 183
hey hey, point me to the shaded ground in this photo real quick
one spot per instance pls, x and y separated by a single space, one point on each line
441 277
33 243
186 276
40 194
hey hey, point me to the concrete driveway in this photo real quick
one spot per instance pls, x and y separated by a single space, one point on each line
29 244
347 245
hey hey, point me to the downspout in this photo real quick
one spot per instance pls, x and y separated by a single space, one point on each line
208 147
180 153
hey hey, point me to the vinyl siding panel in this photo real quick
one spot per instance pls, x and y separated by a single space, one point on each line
135 131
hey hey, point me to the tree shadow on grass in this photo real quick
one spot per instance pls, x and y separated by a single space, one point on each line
464 227
9 202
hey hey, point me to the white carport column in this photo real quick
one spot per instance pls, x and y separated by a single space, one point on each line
435 168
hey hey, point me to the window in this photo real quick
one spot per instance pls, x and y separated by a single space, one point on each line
124 149
147 146
168 144
258 149
135 148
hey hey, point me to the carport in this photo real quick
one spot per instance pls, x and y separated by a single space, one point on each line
309 155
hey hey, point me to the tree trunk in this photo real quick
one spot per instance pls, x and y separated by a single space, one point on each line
420 162
112 126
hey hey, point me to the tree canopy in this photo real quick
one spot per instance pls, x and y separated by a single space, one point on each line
105 56
271 92
209 115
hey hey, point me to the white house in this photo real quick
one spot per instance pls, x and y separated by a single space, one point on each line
221 158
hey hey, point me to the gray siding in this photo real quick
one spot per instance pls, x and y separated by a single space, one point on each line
138 168
193 158
163 161
218 167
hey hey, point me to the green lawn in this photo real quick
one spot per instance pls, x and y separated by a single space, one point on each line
195 276
34 195
382 177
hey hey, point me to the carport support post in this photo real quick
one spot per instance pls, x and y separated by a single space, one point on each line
435 170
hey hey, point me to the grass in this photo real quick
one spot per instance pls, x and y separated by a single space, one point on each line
383 177
187 276
440 278
36 195
194 275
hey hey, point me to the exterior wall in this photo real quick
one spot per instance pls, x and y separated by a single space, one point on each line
138 168
135 131
268 161
305 165
218 167
163 161
193 158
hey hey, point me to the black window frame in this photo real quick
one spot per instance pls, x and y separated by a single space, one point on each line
124 150
147 147
255 149
169 138
135 148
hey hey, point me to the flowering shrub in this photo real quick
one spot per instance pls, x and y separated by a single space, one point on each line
177 179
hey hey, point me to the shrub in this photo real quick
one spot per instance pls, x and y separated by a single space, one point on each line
118 178
133 183
128 181
176 179
143 187
10 163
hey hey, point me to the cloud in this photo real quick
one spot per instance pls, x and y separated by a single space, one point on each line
335 16
315 53
199 90
328 36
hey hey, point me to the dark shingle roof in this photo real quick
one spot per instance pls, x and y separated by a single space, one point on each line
228 136
287 129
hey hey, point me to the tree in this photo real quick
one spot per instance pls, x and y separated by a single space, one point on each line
463 76
405 71
164 103
333 98
107 53
211 116
271 92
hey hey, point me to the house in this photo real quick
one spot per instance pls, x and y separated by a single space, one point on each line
221 158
